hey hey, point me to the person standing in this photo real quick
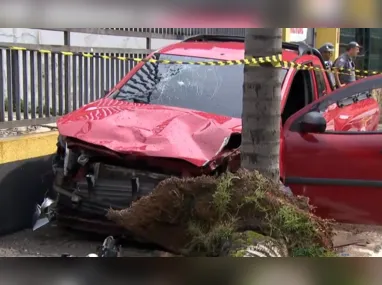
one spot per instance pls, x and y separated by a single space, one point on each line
327 51
345 61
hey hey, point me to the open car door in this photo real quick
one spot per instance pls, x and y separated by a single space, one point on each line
333 153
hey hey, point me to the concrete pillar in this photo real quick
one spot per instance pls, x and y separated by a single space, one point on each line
332 35
286 34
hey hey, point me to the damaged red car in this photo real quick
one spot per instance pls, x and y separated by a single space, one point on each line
164 120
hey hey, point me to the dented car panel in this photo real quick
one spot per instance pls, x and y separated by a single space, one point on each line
151 130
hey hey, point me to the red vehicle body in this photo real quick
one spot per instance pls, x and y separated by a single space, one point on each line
116 149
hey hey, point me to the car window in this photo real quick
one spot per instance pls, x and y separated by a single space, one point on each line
321 86
358 112
207 88
354 112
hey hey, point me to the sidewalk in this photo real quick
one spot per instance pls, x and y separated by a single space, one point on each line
358 240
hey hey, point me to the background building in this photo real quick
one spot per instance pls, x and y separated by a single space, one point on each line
370 40
370 57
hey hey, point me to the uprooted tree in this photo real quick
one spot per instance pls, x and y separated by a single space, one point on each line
226 215
209 216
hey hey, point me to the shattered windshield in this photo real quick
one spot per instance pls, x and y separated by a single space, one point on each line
211 89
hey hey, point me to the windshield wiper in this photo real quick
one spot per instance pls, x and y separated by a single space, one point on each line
115 94
139 101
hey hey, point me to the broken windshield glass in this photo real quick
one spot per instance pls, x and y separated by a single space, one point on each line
211 89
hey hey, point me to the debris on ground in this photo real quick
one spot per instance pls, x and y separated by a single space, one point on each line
109 248
227 215
53 241
358 240
17 131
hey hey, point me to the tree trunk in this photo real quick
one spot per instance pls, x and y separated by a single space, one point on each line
261 105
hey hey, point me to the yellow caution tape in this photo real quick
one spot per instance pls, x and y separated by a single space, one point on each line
274 60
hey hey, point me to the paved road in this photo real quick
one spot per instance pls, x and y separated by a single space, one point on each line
51 241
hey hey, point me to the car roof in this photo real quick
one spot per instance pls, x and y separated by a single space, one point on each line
216 50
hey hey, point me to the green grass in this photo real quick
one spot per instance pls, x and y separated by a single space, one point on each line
314 251
285 222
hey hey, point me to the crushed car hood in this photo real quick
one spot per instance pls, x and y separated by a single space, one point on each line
150 130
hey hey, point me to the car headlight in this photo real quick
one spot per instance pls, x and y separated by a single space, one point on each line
62 141
66 159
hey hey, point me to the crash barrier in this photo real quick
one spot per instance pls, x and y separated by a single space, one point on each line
275 60
25 176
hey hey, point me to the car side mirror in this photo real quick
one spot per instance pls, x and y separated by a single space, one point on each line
313 122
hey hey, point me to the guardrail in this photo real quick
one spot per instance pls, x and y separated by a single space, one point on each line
36 88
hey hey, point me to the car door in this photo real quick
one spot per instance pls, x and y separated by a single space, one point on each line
339 167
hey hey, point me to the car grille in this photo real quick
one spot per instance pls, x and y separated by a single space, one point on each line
114 187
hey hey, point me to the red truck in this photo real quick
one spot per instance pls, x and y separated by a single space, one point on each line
165 120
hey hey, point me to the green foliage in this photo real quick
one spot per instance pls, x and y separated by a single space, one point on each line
288 223
282 219
22 107
238 253
14 107
222 197
210 240
314 251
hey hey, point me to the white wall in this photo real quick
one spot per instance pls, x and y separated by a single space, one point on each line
32 36
43 37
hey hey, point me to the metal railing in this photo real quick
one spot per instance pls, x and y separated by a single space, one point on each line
36 88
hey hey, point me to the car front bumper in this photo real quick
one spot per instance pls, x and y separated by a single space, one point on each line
84 204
